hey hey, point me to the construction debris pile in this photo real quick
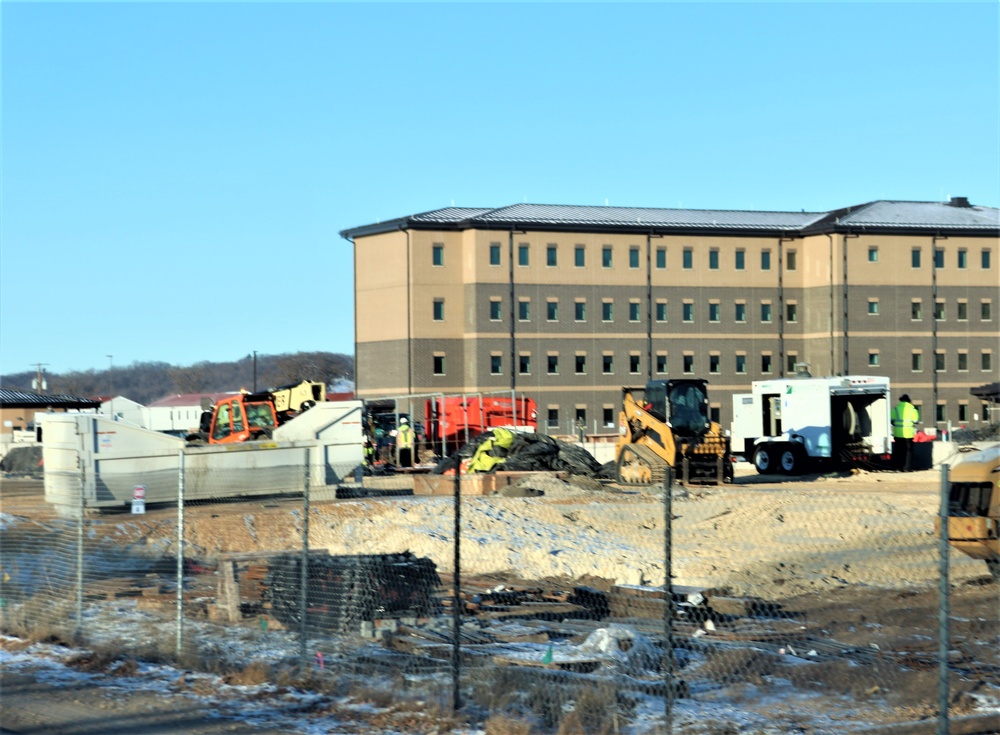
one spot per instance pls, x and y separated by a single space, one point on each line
510 451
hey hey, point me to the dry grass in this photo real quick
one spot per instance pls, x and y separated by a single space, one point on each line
254 674
504 725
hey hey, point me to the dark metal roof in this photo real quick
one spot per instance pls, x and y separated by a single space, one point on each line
19 399
900 217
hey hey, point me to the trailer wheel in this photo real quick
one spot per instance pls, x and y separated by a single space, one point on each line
789 460
994 566
762 459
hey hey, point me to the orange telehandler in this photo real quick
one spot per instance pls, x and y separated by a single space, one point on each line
253 416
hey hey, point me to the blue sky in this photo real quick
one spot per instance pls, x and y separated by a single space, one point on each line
154 152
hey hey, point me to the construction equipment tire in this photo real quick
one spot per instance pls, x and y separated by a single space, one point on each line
763 460
790 459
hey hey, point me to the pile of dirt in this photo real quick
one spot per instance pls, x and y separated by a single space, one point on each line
26 460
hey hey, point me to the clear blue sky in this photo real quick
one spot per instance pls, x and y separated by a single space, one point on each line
154 152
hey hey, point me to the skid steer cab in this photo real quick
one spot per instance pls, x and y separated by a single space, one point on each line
668 426
246 416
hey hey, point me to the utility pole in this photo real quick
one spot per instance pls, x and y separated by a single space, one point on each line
111 387
255 371
39 382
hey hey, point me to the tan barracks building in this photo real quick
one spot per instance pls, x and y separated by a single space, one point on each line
567 304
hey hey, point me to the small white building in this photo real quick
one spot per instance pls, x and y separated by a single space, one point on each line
124 408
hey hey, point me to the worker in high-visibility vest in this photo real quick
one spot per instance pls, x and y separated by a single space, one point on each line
904 421
404 444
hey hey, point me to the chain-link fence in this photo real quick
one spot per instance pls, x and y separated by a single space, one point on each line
531 601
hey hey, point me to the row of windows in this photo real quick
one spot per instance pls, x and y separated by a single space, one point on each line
714 363
714 257
713 313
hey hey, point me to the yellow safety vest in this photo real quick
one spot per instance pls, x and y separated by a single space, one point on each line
404 437
904 419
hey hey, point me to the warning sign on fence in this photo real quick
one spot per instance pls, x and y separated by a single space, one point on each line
139 499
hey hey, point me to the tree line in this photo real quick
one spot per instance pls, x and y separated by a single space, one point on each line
145 382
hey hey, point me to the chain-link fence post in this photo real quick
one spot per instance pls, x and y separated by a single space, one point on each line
943 606
456 613
304 576
180 554
668 608
81 514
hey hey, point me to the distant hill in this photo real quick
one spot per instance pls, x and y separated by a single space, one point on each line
145 382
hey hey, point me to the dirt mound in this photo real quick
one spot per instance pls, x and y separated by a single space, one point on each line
25 460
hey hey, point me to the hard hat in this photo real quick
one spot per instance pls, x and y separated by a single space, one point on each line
403 420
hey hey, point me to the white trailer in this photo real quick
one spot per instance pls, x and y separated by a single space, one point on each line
788 424
95 461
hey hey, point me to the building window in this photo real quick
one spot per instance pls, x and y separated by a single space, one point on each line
688 364
607 364
873 307
688 312
661 258
873 253
986 360
581 364
915 258
580 311
551 254
984 259
765 312
607 311
713 312
661 311
439 310
437 254
962 311
713 364
792 313
608 416
552 311
765 260
765 363
917 362
523 310
715 413
633 257
495 309
741 260
439 364
553 418
633 311
791 260
916 310
939 310
963 362
873 359
963 258
633 364
713 259
606 261
688 259
661 364
986 310
939 258
963 412
941 414
581 416
524 364
496 365
580 256
741 364
553 364
790 361
940 364
741 311
494 253
523 254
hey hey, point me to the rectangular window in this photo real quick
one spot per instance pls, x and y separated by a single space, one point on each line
688 364
873 253
580 256
873 307
580 311
790 361
916 310
581 364
963 361
633 364
606 260
524 364
553 364
791 260
741 260
713 312
551 254
607 311
496 365
523 310
963 412
986 360
765 312
713 259
661 364
917 362
939 258
986 310
607 364
439 310
741 364
523 254
581 417
915 258
633 257
661 258
552 311
765 363
688 312
984 259
439 364
661 311
608 416
494 253
940 363
741 312
792 313
437 254
962 311
939 310
765 260
496 308
553 418
942 412
963 258
633 311
873 359
713 364
688 259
